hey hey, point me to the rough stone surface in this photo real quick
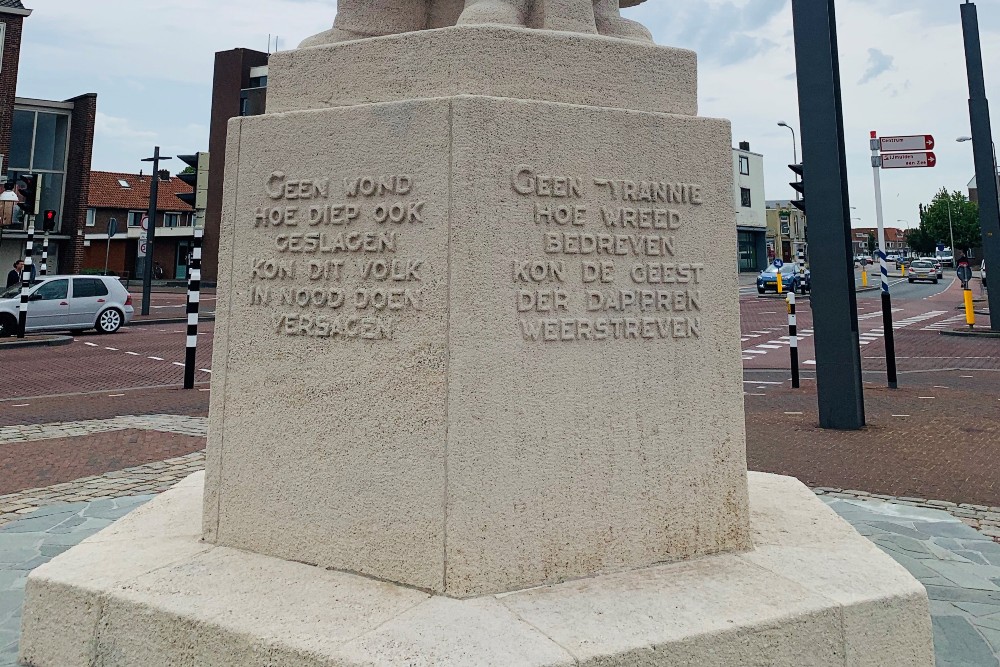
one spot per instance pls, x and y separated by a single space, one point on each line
486 60
192 604
467 455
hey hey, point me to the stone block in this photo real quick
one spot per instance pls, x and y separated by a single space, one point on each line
777 606
532 375
491 60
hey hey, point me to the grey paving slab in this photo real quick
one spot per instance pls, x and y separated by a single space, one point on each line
959 644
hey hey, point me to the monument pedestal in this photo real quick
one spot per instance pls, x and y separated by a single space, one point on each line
477 393
147 592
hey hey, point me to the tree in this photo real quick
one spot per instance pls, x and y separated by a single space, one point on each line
921 242
188 170
964 220
872 243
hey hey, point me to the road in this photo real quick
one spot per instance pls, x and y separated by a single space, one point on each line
920 312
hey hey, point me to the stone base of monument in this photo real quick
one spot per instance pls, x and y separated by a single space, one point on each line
147 592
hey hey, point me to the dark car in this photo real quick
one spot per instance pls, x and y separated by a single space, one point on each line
767 281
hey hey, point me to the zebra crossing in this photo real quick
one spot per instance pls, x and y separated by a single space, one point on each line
946 324
864 338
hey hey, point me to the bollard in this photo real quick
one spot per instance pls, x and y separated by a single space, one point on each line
904 269
864 277
793 340
970 313
780 290
194 299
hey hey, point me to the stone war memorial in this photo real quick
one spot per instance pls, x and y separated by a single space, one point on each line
478 387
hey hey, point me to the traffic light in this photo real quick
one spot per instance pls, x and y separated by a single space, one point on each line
30 187
799 186
49 221
198 180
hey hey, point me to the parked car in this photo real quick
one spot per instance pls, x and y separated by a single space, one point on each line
937 265
767 281
922 269
74 303
903 261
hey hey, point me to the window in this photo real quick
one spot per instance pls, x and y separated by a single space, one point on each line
51 132
52 290
122 182
39 139
91 217
135 218
171 219
21 135
744 165
89 287
745 197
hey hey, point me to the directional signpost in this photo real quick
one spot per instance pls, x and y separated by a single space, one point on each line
908 160
903 152
916 142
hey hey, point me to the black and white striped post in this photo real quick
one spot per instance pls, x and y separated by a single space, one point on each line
802 269
194 298
793 340
29 251
44 268
890 338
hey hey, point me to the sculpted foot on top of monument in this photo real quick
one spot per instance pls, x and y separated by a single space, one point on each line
611 24
505 12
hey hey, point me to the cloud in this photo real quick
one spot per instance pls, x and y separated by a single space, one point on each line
878 63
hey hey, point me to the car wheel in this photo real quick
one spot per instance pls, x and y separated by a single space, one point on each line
109 321
935 281
760 290
8 326
910 280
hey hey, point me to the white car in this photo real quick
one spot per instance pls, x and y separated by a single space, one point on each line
73 303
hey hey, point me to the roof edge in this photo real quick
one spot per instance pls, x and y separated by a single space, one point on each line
16 11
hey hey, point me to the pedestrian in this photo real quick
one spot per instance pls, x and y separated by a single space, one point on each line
14 277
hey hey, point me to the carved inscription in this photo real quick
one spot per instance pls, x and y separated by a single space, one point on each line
338 266
607 266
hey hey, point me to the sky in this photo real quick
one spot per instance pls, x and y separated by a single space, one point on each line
902 71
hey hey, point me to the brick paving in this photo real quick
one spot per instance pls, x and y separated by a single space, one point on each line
42 463
934 442
107 404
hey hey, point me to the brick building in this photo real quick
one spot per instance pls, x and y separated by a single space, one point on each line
238 89
125 197
53 139
895 241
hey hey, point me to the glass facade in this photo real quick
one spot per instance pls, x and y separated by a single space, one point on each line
749 252
38 146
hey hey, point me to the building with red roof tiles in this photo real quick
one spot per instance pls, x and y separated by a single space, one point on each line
895 241
125 198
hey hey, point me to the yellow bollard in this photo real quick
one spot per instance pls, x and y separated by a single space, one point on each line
780 290
970 313
904 269
864 277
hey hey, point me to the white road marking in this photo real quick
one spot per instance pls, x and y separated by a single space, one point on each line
155 358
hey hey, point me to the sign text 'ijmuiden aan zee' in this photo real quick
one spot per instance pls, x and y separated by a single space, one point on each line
607 265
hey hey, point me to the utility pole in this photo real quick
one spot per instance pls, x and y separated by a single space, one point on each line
154 191
821 124
982 147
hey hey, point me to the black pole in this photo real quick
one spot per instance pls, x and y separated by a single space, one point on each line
890 340
154 190
793 339
982 148
22 316
194 298
834 307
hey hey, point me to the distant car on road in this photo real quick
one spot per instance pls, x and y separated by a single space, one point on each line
922 269
937 265
903 261
74 303
767 281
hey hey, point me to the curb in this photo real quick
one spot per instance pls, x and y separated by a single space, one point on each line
169 320
966 333
51 341
783 295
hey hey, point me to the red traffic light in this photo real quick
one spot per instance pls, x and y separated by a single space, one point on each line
49 220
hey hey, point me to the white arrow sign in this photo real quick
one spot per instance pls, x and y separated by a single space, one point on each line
918 142
908 160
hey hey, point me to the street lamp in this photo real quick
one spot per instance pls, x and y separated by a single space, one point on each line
795 150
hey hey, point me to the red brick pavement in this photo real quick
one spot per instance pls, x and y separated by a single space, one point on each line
946 448
102 405
29 465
